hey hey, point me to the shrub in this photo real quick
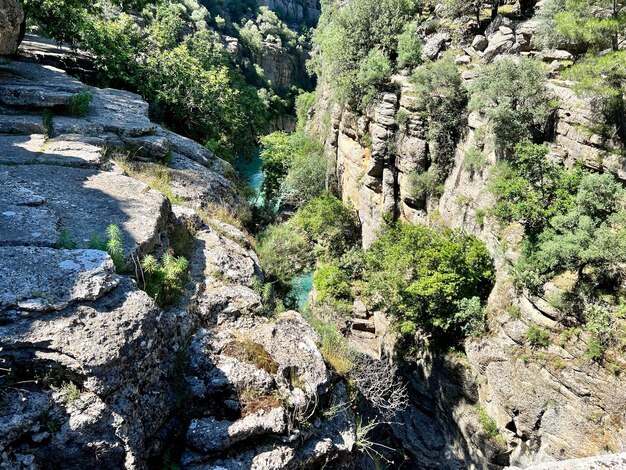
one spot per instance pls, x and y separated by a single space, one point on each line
333 346
442 99
409 47
164 280
424 185
78 104
474 161
330 281
421 277
537 336
66 241
70 392
373 73
284 252
112 245
595 349
490 427
513 95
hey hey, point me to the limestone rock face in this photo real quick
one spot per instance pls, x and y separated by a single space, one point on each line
93 373
548 405
11 19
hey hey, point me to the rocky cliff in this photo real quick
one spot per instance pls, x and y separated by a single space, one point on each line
93 373
547 406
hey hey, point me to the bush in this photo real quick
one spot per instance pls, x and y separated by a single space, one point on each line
490 427
442 100
474 161
112 245
409 47
284 253
331 282
78 105
424 185
164 280
373 73
422 276
513 95
537 336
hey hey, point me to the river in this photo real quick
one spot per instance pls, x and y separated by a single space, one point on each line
250 169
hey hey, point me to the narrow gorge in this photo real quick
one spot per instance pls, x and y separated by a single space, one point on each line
292 235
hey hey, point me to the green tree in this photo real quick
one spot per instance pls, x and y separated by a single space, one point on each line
409 47
512 93
421 276
599 24
373 73
442 101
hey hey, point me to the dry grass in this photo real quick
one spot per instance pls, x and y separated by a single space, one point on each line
253 353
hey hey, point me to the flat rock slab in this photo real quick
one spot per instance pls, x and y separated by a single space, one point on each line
86 202
25 219
43 279
18 149
211 435
21 124
120 112
36 86
111 342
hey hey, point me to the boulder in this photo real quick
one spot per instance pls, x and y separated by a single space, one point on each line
434 44
11 22
480 43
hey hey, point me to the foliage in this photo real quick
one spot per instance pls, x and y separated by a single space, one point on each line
442 100
78 104
284 252
66 241
112 245
333 346
276 158
512 94
490 427
409 47
164 280
322 229
373 73
328 224
294 166
537 336
347 35
424 185
421 277
547 35
331 281
304 102
603 78
70 392
190 81
596 23
474 161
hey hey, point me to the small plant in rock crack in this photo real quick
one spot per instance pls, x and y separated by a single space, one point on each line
164 280
70 392
78 105
66 241
112 245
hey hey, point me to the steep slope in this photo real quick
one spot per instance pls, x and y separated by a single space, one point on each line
93 372
550 404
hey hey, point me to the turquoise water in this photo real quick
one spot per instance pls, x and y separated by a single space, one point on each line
301 286
251 170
